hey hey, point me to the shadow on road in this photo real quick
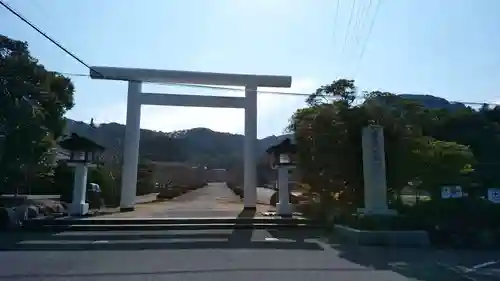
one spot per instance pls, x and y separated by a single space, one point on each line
414 264
235 238
147 245
298 235
177 272
239 234
420 264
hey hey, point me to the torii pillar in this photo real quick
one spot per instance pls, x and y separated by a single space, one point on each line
136 98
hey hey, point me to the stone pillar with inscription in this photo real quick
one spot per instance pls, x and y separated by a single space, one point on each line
375 185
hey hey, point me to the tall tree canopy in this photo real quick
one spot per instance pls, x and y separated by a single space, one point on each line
33 102
328 134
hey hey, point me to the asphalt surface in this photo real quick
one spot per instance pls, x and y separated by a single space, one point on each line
223 255
232 254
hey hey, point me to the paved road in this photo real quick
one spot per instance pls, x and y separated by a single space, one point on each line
219 255
222 254
213 200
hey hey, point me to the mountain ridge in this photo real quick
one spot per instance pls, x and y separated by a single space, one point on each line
195 146
199 145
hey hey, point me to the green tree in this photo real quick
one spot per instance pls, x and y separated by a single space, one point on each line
479 130
328 134
443 163
32 104
329 151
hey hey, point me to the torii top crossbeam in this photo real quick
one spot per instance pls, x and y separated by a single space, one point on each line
136 98
188 77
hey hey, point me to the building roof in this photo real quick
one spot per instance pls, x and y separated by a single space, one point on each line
286 146
79 143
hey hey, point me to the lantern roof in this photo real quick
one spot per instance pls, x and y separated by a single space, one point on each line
79 143
284 147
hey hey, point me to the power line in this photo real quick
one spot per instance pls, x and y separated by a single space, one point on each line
25 20
361 15
358 96
348 28
230 89
372 23
359 30
335 19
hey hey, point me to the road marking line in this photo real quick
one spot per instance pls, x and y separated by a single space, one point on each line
100 241
271 239
481 265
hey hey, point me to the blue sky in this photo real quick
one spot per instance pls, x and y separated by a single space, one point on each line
446 48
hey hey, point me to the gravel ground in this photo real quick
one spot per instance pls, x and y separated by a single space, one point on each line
213 200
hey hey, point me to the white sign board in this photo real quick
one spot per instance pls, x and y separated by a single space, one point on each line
451 192
494 195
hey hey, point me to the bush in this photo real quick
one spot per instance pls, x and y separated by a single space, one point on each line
275 199
43 184
457 222
63 181
5 220
110 191
377 222
317 210
457 213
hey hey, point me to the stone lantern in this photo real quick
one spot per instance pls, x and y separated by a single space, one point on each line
84 153
282 159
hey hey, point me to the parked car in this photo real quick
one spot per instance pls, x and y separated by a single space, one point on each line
94 196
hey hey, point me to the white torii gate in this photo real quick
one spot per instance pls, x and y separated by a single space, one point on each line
136 98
